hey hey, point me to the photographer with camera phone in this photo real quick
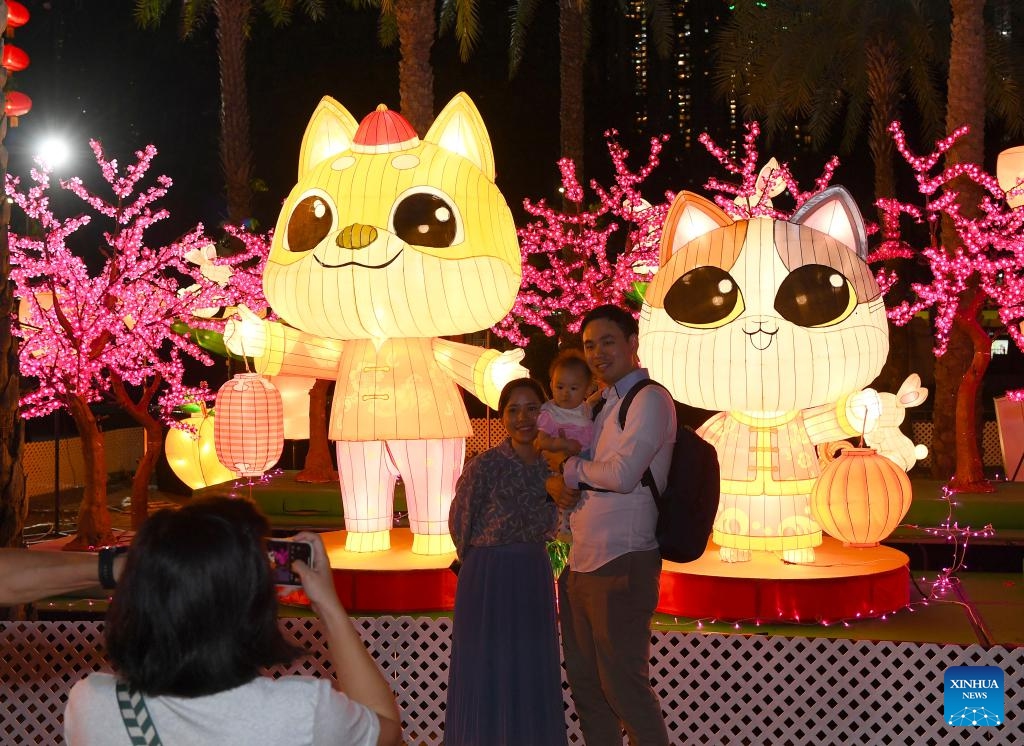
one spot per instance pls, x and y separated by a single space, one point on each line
191 628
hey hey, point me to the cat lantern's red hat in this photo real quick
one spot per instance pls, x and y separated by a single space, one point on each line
384 131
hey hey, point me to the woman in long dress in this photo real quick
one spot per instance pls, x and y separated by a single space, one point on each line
504 684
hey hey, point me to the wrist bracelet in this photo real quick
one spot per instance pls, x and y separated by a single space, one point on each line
106 565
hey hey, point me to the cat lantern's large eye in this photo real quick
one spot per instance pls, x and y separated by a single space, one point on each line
311 221
704 298
815 296
423 216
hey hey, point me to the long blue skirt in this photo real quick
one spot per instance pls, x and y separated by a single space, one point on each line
504 682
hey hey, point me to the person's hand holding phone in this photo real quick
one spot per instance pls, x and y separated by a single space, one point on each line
317 581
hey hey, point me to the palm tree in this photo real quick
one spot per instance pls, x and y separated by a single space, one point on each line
573 44
233 19
843 66
413 23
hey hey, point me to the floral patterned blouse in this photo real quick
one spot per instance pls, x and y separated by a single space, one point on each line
500 499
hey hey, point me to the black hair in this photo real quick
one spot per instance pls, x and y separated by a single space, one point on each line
195 611
571 359
519 383
618 316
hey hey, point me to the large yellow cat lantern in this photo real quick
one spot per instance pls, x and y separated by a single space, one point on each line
386 243
778 325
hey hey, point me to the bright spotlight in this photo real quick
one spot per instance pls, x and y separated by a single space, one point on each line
54 151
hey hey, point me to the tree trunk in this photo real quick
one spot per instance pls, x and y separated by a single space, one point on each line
13 504
416 29
955 372
884 93
572 48
235 150
93 515
154 431
318 468
970 474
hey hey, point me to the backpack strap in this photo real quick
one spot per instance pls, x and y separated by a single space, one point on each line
136 717
648 478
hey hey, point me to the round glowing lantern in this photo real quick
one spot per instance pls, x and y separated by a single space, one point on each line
861 497
248 430
13 58
16 104
192 456
17 14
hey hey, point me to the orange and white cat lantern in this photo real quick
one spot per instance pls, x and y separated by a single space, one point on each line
779 326
387 243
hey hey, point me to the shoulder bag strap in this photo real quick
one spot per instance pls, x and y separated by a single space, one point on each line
136 717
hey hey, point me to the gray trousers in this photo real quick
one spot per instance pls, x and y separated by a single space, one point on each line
606 637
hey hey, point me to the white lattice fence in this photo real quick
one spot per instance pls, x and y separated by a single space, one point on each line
715 689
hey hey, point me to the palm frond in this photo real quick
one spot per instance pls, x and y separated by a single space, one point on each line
523 12
149 13
661 26
464 18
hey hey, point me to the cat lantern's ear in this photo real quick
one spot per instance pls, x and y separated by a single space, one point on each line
689 217
330 132
834 213
460 129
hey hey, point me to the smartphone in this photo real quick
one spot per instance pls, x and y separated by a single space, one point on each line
281 553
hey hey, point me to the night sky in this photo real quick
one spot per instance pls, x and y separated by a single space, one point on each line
95 75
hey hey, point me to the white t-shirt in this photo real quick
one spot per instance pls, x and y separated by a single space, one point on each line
292 710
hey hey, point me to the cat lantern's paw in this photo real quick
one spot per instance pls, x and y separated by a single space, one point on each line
247 335
501 370
863 410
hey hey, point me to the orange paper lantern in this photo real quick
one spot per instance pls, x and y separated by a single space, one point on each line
861 497
248 431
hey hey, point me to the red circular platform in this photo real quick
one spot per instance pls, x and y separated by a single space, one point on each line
842 583
393 581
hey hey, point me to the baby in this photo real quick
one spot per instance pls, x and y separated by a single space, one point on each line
565 422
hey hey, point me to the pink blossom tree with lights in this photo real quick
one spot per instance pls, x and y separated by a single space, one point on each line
568 267
984 269
751 196
88 335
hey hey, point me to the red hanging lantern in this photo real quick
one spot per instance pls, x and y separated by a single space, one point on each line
861 497
17 14
248 431
16 104
14 59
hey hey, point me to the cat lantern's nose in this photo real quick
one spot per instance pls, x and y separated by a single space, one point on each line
356 236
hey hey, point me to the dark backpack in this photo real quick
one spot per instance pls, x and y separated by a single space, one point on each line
687 508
